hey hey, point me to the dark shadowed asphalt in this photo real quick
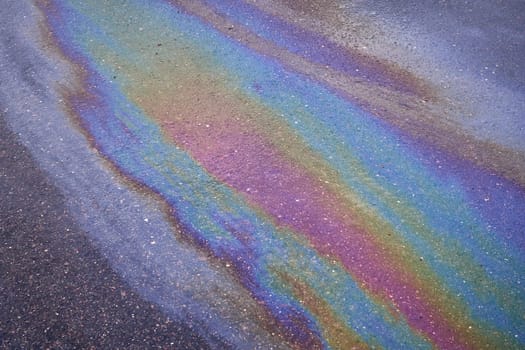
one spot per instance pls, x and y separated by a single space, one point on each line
56 290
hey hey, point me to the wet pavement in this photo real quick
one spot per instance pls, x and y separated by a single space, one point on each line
57 290
262 174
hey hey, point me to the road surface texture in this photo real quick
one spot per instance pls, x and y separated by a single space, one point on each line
262 174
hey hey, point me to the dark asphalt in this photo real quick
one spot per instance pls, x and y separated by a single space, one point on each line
56 290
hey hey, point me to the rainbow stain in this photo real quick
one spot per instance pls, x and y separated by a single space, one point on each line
349 230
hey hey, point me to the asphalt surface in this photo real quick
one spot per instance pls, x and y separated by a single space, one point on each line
119 230
56 289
